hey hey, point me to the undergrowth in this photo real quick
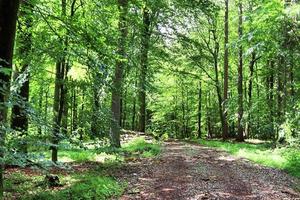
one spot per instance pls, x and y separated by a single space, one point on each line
92 183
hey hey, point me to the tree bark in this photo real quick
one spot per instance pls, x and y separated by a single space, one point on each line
8 18
240 136
145 43
250 87
118 75
226 68
199 108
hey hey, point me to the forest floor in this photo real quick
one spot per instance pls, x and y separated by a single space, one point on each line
191 171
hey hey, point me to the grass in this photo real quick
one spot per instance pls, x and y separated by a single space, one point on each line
140 146
84 185
137 147
285 158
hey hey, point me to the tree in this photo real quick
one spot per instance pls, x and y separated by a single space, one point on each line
240 136
226 66
146 34
118 75
19 117
8 18
60 105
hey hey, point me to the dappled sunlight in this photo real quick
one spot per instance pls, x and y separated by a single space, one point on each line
227 158
167 189
103 157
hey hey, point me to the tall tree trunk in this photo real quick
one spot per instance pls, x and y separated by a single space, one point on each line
146 34
124 113
183 113
240 136
250 87
19 116
226 68
271 95
96 109
57 108
208 116
118 75
199 108
60 106
46 109
280 92
40 103
133 114
81 115
8 18
217 81
74 110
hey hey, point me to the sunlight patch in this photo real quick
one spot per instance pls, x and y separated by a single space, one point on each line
227 158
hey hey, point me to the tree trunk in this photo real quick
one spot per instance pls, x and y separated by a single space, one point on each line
251 69
217 81
8 18
133 114
271 95
199 108
95 116
240 136
74 110
57 108
124 112
40 103
118 75
144 67
280 92
19 116
208 117
226 68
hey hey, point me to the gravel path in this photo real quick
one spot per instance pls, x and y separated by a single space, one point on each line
189 171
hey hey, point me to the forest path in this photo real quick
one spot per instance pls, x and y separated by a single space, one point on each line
190 171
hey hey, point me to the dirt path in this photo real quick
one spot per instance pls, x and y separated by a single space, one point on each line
187 171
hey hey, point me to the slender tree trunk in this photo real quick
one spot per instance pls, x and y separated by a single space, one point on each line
183 112
96 108
218 88
118 75
208 116
217 81
133 114
251 69
82 114
226 68
57 109
199 108
8 18
124 113
74 110
280 92
187 135
46 109
271 95
144 67
40 103
60 106
240 136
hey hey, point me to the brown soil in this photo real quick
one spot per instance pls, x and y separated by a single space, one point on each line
189 171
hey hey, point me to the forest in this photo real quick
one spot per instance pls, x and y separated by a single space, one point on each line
149 99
